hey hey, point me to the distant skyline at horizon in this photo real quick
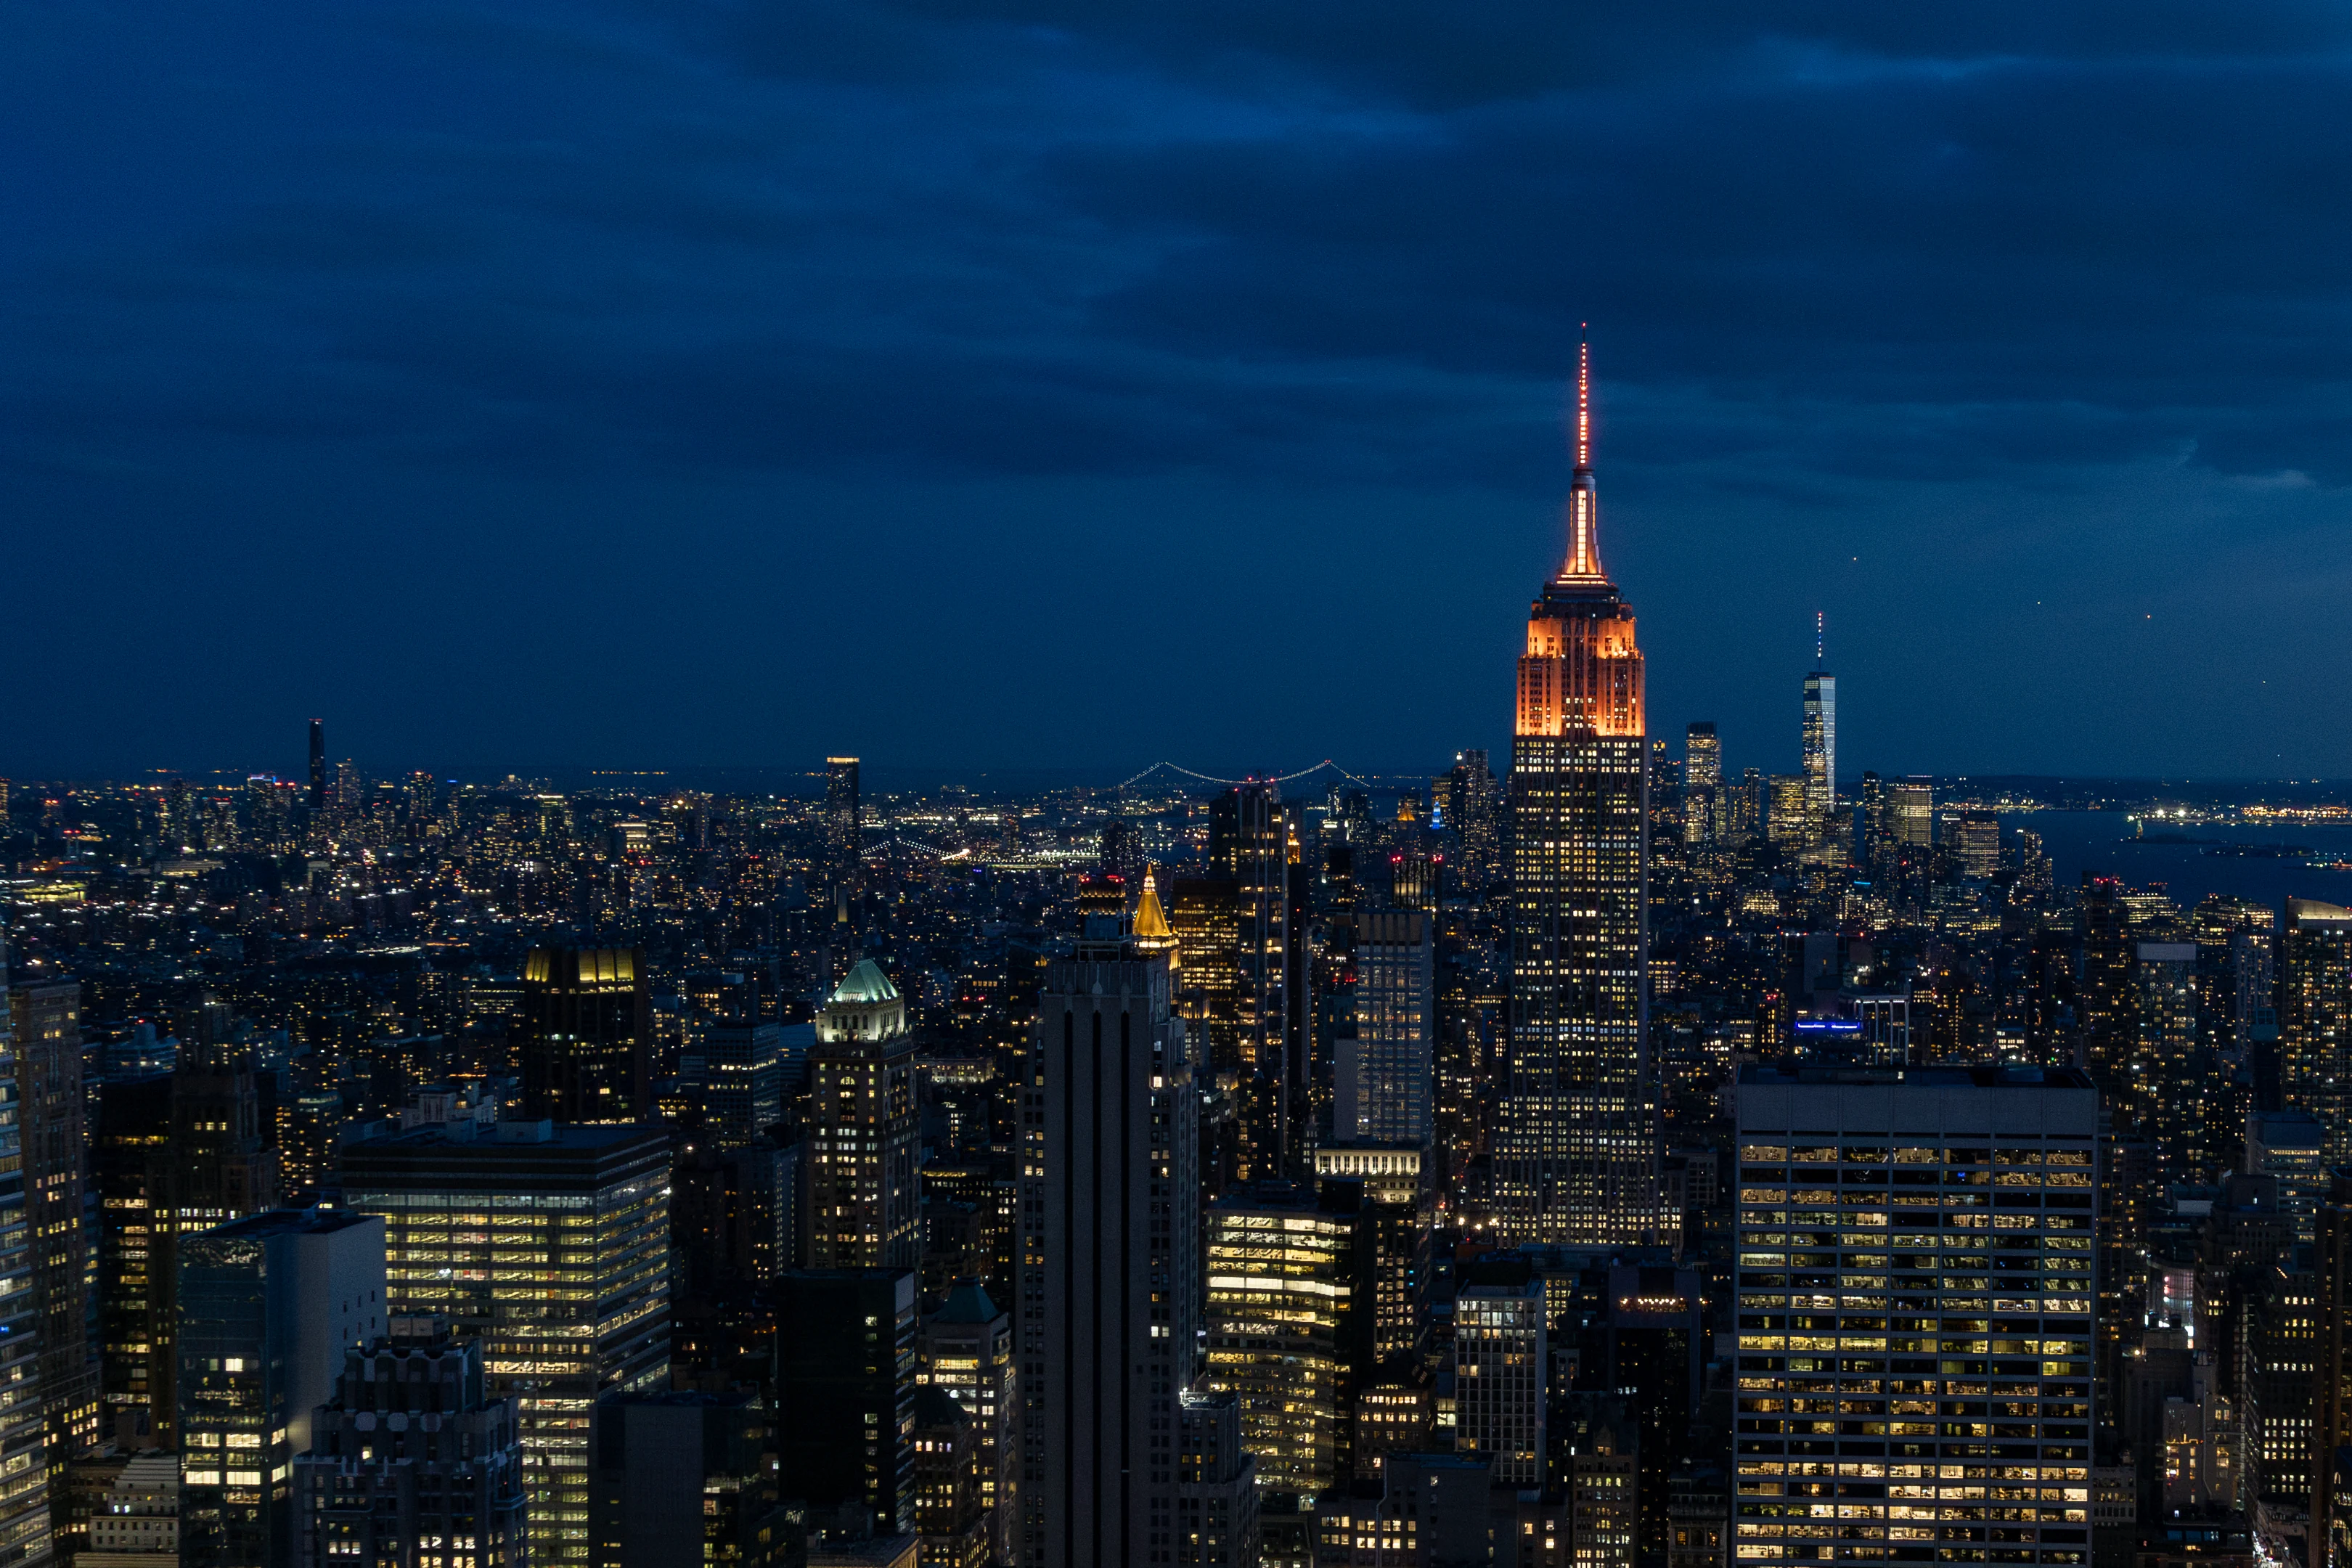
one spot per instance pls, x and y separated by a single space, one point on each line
920 777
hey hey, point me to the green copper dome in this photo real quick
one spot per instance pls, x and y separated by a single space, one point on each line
866 984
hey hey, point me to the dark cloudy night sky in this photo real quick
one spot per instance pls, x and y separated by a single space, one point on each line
1076 383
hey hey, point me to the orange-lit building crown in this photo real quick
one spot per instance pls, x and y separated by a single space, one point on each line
1582 671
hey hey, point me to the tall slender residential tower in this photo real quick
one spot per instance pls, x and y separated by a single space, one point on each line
318 764
1577 1156
843 864
1702 781
1249 847
1820 741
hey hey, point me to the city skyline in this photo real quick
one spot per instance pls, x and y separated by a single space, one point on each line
1039 1005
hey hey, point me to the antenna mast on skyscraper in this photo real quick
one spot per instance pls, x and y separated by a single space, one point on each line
1817 639
1583 397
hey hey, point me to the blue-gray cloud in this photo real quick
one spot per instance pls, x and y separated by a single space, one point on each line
370 265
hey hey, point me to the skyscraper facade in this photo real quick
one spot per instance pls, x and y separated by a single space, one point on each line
551 1243
585 1032
373 1489
845 1388
268 1305
1110 1259
1287 1278
2313 993
24 1530
1911 812
1249 847
1383 1082
1819 740
842 845
1702 781
1940 1391
45 1019
1500 1375
318 764
965 1351
1470 810
864 1201
1576 1155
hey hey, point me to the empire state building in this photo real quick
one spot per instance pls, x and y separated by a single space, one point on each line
1577 1156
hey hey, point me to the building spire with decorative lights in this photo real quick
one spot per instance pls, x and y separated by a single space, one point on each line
1583 500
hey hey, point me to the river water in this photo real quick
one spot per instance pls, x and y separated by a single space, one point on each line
2100 842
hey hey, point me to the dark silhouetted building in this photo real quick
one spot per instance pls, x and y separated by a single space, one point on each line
682 1480
270 1306
845 1391
412 1449
585 1034
1109 1258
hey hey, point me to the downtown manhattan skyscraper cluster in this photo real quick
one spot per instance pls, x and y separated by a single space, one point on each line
1617 1161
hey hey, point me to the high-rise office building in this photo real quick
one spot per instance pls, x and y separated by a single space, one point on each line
129 1163
45 1021
24 1473
1976 843
1249 847
551 1244
846 1367
1289 1276
1216 1485
1915 1315
1383 1082
268 1306
1701 782
2313 993
864 1201
1396 1212
843 838
681 1480
1501 1379
584 1035
1911 812
951 1523
1109 1258
1789 817
734 1073
2168 1093
318 764
2331 1415
1819 740
1473 813
1204 914
965 1351
412 1447
178 1152
1576 1155
1873 834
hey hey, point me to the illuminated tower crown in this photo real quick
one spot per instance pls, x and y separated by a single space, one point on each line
1582 672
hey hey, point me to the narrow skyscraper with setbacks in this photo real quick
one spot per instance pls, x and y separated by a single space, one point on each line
1577 1159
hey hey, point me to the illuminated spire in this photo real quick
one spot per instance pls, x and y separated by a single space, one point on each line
1151 919
1583 502
1817 639
1151 933
1583 405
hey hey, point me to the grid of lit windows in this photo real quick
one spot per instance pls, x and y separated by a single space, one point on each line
1915 1344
